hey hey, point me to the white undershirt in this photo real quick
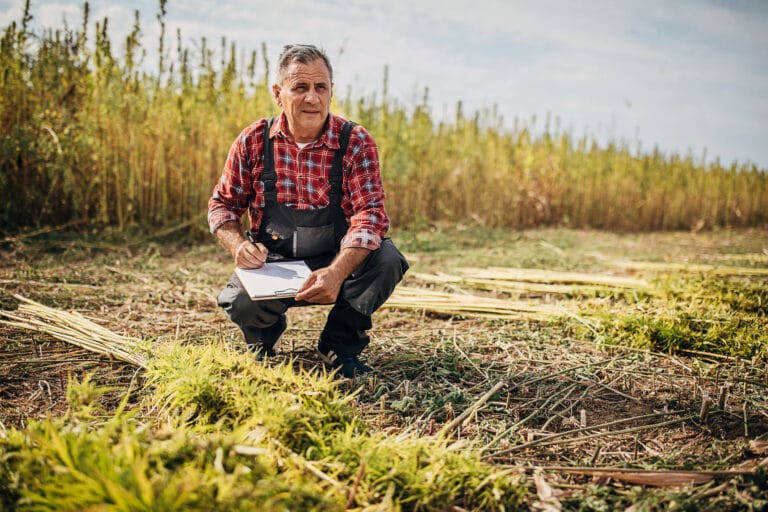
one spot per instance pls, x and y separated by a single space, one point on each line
302 145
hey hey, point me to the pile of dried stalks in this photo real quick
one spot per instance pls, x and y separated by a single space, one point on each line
466 304
77 330
456 300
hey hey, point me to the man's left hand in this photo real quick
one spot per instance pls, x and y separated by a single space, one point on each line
321 287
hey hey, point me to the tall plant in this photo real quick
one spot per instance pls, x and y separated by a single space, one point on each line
90 134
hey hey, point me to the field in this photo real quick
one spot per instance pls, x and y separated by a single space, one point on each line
584 326
580 370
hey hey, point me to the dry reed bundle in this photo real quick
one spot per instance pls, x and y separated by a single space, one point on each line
532 275
467 304
441 278
690 267
73 328
514 280
541 282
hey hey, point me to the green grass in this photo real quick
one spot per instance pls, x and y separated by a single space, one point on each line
726 316
228 434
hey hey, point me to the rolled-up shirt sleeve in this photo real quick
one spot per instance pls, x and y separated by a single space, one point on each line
232 193
364 194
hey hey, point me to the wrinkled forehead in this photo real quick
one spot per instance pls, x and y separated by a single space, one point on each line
314 72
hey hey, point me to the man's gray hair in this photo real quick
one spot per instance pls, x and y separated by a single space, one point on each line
304 53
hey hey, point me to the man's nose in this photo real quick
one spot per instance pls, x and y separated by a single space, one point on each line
311 97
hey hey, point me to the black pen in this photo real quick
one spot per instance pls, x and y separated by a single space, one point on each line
271 256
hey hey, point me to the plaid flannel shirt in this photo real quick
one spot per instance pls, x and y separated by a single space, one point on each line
303 179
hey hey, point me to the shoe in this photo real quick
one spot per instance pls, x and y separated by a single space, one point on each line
266 339
348 367
261 352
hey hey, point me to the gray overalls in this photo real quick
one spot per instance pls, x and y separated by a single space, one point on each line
315 236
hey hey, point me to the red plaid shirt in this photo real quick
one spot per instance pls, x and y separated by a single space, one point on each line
303 179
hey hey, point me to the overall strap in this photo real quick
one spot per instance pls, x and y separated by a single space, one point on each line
337 173
268 175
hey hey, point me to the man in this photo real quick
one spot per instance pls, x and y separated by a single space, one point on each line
311 184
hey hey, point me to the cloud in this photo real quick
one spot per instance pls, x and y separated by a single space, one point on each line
684 74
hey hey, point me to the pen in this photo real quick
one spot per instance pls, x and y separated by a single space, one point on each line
270 255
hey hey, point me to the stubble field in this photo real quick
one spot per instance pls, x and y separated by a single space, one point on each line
589 370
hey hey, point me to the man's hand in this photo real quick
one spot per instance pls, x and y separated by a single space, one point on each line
323 285
250 255
245 254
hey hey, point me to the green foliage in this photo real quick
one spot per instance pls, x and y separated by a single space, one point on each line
730 336
220 432
87 134
123 465
427 474
706 314
218 387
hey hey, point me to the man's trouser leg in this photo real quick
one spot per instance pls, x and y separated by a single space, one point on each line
369 286
361 295
261 321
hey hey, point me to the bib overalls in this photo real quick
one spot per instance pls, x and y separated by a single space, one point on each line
315 236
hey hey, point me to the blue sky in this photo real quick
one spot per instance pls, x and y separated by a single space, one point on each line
682 75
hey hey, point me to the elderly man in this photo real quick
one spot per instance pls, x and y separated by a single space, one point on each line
311 184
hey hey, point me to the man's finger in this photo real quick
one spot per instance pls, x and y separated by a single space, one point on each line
308 284
256 252
249 256
263 251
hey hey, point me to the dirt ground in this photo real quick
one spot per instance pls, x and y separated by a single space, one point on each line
564 403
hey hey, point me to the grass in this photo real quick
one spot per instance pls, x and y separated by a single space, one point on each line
226 433
463 411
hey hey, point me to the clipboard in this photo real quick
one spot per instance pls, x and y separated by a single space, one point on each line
275 280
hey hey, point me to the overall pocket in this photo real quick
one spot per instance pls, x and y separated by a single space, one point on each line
313 241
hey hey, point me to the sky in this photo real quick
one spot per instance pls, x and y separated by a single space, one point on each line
684 76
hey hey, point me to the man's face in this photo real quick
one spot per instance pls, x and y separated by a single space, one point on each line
305 97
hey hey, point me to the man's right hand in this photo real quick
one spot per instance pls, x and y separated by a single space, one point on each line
250 255
245 253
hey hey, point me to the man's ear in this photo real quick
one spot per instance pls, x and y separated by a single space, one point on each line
276 93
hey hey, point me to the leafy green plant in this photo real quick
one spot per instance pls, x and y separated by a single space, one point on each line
705 314
219 431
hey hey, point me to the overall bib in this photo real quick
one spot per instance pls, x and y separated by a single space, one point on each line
315 236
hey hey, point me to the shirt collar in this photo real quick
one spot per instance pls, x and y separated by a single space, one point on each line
329 137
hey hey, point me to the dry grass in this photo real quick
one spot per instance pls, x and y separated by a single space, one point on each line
93 139
529 392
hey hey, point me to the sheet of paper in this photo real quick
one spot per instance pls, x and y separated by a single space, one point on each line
276 279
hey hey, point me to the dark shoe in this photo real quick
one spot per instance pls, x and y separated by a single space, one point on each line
265 339
262 352
348 367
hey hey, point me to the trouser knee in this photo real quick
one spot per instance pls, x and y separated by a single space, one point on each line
373 282
243 311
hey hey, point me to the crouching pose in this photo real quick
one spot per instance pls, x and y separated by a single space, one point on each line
311 184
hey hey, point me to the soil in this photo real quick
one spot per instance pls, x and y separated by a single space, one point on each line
565 402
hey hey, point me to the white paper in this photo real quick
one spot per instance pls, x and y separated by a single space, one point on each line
276 279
